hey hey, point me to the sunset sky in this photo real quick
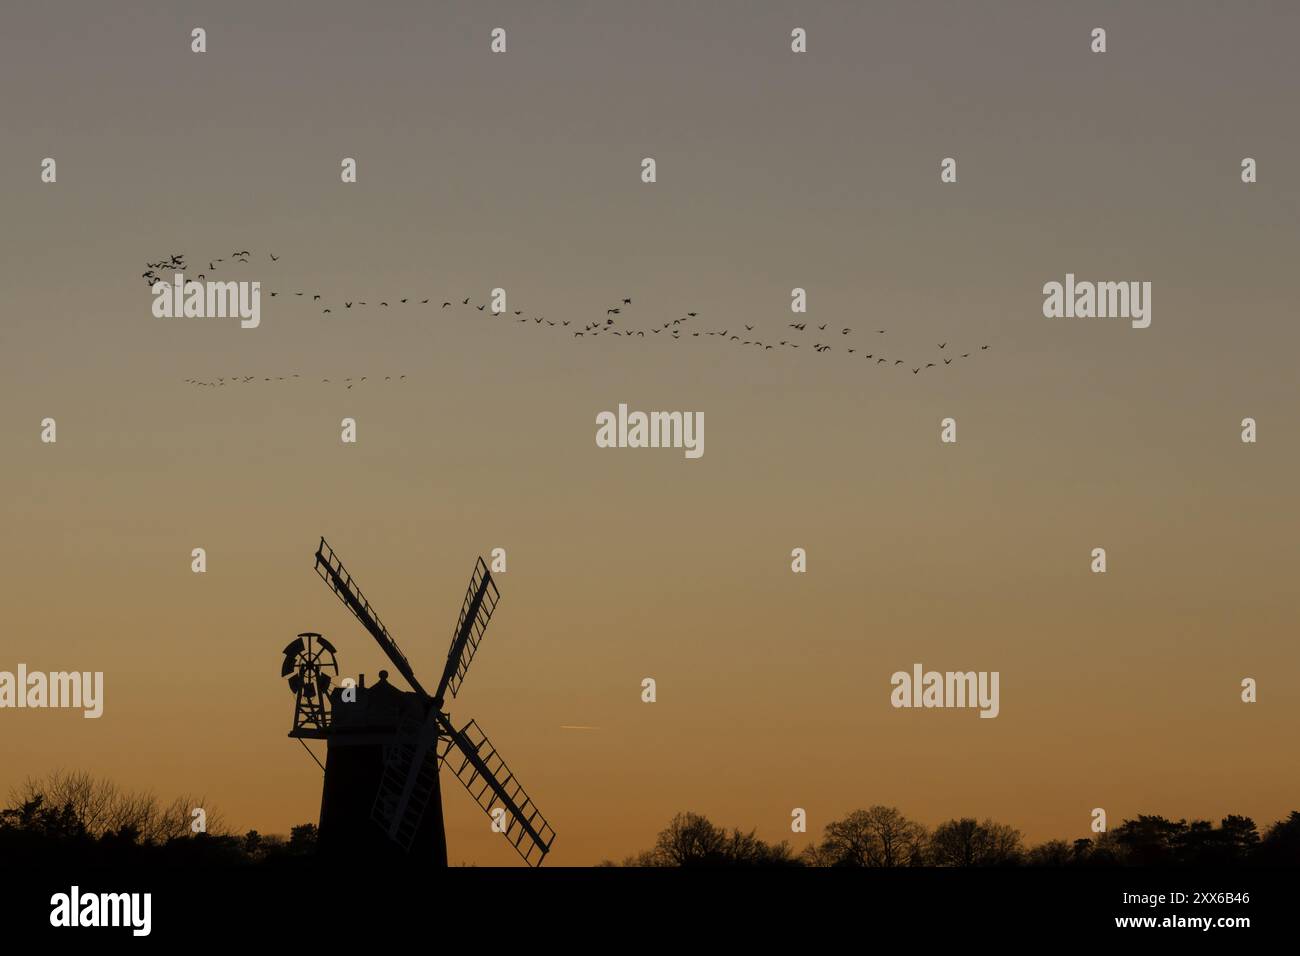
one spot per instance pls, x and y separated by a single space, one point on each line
775 170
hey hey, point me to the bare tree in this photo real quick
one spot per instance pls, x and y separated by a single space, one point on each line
1051 853
92 801
746 849
815 854
879 836
102 808
967 842
689 839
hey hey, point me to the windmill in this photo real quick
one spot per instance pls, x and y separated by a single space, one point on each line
311 667
413 732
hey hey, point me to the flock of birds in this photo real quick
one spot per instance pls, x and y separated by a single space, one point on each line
245 379
824 337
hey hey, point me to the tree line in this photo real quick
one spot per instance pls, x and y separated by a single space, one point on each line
67 816
883 837
74 815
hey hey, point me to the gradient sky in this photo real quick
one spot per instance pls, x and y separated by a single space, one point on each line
775 171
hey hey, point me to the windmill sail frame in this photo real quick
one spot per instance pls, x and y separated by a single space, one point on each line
332 572
475 612
479 768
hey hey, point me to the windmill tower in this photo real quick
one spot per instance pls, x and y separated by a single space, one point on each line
386 746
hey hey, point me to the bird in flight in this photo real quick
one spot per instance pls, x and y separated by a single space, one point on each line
590 329
274 257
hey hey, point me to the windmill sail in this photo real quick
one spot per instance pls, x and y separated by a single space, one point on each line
480 601
489 781
331 570
408 781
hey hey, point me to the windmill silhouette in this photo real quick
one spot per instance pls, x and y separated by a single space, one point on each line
387 746
311 667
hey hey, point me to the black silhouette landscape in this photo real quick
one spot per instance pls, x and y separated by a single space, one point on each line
69 818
